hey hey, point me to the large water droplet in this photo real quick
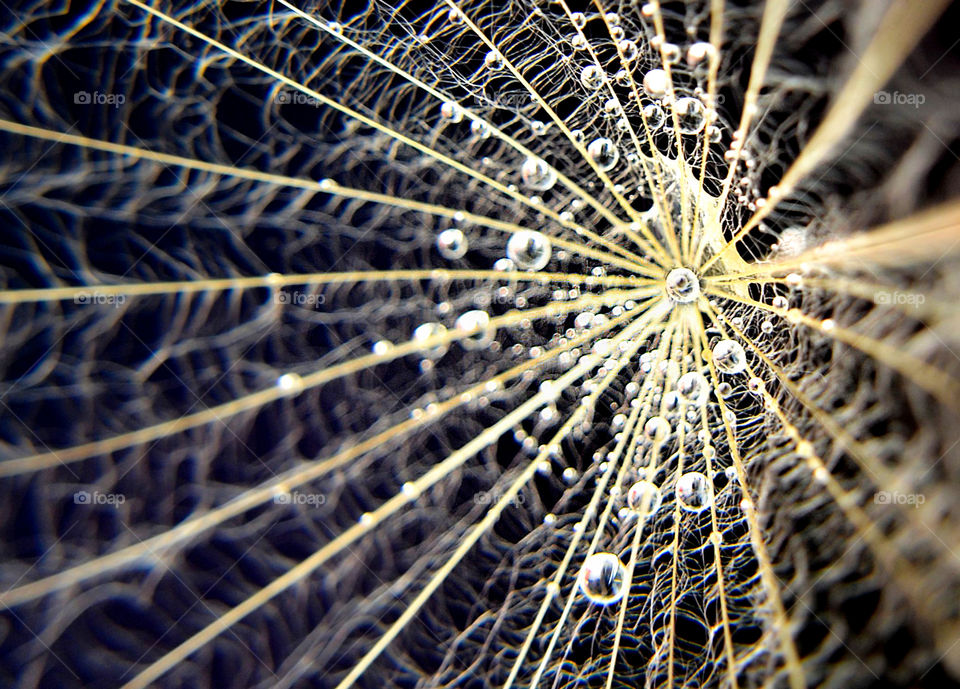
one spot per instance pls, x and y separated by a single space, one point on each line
451 112
452 244
628 50
655 83
682 285
592 77
481 129
644 498
536 174
493 61
691 114
529 250
653 114
698 51
729 357
693 491
426 331
656 428
604 153
601 579
479 320
692 387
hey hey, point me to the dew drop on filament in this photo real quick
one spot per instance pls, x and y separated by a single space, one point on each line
601 579
693 491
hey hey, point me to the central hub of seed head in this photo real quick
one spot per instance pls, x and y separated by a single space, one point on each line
682 286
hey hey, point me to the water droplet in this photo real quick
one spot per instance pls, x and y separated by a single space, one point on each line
569 475
692 387
671 53
579 19
536 174
654 116
481 129
428 330
604 153
475 320
780 303
628 50
729 356
290 383
655 83
691 115
602 347
693 491
644 498
601 579
698 51
591 77
682 285
656 428
529 250
671 401
452 244
493 60
451 112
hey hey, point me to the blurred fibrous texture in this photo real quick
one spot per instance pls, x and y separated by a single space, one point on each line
479 343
